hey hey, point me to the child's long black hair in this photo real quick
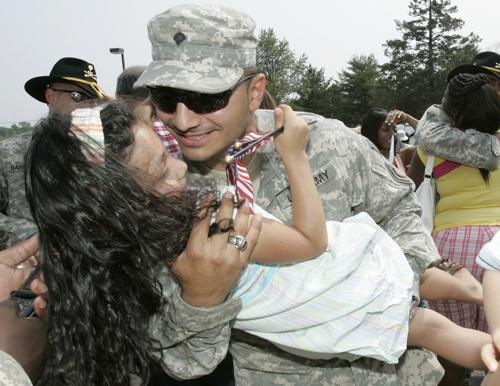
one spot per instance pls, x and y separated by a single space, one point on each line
101 238
473 103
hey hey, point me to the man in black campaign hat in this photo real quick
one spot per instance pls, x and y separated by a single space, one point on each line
70 82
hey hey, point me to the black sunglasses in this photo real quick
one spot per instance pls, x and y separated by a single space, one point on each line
167 98
76 96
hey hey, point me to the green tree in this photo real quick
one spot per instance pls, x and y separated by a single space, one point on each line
21 126
313 93
284 70
353 94
430 46
15 129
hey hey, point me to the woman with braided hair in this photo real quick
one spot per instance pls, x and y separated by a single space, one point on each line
467 213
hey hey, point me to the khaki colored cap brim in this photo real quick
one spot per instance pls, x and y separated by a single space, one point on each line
198 77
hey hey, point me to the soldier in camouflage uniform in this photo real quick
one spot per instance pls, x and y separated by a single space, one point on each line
436 136
71 84
203 50
15 218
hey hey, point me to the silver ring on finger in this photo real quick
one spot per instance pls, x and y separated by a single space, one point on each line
239 242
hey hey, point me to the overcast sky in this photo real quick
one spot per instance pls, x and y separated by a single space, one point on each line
36 33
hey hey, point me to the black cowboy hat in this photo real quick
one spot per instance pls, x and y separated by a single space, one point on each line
66 70
485 62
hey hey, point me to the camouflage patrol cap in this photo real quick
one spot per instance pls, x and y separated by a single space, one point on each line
199 47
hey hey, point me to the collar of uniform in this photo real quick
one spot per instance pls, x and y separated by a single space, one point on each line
198 170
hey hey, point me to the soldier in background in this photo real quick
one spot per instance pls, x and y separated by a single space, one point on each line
125 90
72 83
436 136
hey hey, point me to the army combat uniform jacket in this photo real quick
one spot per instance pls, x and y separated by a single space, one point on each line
16 223
351 177
473 148
11 372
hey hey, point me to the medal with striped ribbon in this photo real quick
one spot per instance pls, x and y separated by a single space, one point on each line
236 173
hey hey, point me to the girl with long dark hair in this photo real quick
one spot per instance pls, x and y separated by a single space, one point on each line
379 126
105 244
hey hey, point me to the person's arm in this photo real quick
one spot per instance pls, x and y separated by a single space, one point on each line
390 200
306 237
491 289
416 170
194 340
406 153
436 136
436 284
194 327
24 339
396 117
490 353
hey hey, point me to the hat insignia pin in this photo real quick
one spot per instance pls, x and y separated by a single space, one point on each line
179 37
90 73
497 65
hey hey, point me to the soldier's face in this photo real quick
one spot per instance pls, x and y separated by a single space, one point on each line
205 137
66 97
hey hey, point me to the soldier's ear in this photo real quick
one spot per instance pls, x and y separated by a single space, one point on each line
256 91
50 96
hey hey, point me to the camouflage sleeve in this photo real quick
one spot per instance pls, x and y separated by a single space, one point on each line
391 201
361 179
4 197
11 372
436 136
194 340
14 209
14 229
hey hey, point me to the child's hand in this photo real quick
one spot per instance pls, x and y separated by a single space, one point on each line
292 141
490 356
490 353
